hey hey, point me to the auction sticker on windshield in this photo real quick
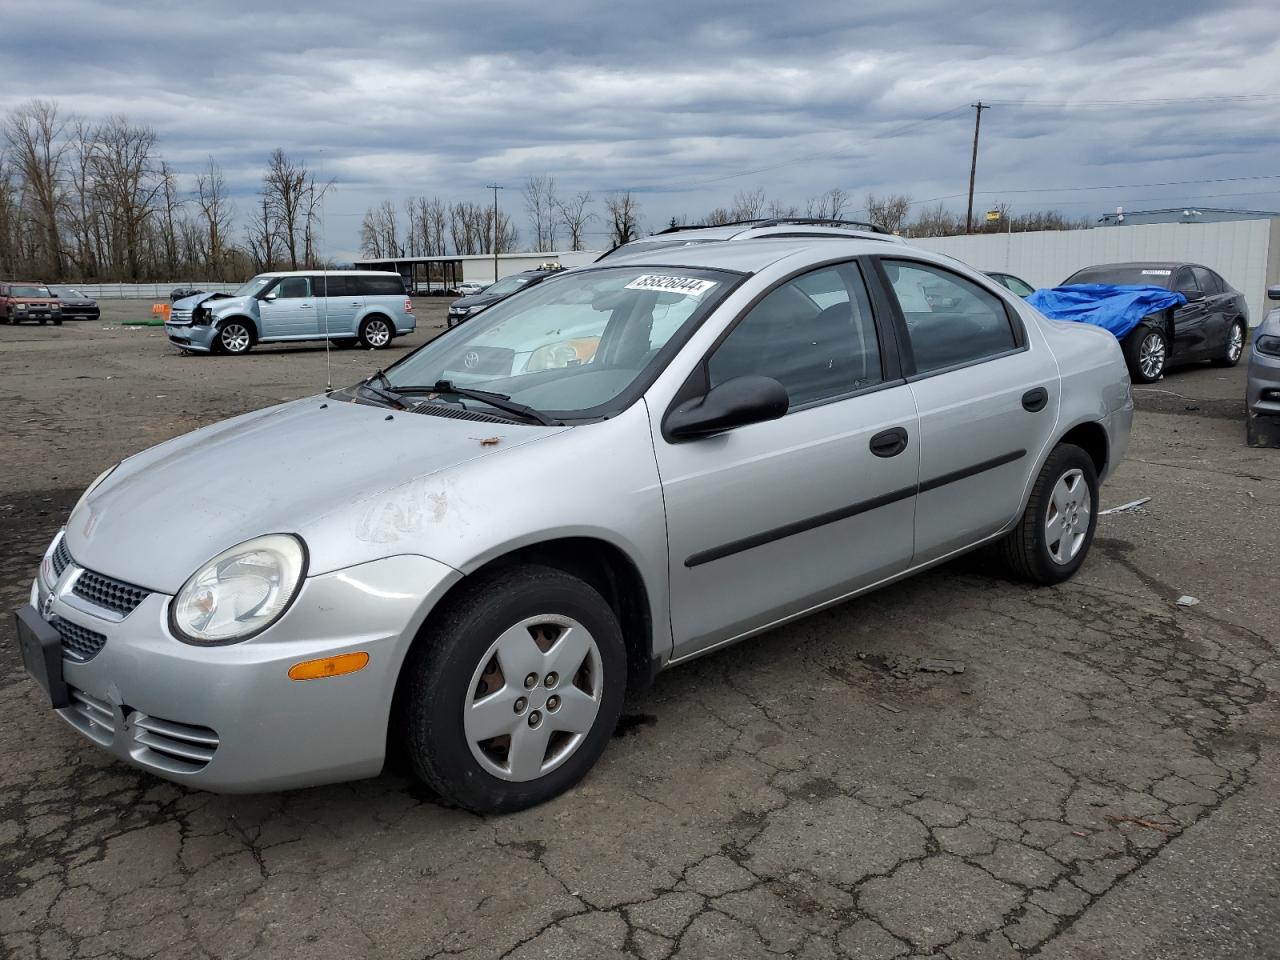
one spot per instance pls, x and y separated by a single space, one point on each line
689 286
1156 273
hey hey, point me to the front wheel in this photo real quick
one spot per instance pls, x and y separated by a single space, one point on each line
376 332
1234 349
513 696
1054 533
234 338
1146 350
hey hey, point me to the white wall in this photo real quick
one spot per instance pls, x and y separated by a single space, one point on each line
1239 250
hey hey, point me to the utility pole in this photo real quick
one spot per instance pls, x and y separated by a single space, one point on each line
495 188
973 166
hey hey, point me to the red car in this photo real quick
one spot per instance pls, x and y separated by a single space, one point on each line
28 301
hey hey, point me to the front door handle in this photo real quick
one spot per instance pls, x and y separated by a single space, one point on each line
1033 401
889 443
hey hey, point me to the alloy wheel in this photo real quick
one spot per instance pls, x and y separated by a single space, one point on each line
1066 522
235 338
534 697
1151 355
377 333
1235 346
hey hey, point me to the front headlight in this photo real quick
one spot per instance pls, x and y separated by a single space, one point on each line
241 591
566 353
1268 345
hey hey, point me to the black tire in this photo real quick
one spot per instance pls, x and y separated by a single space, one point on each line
373 329
436 686
43 321
1026 551
1234 349
235 337
1141 339
58 322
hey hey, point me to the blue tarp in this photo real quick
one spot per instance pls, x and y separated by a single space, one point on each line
1115 308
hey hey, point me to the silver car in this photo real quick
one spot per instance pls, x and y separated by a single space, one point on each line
625 467
364 307
1262 393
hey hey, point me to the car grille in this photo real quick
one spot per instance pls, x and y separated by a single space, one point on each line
91 716
115 595
179 316
176 747
78 643
61 557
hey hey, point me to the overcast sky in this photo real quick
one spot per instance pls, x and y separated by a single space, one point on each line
683 102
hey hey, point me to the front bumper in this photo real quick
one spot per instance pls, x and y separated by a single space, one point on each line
228 718
81 313
192 336
1262 398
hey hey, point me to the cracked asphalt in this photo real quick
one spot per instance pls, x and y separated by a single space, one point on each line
1102 780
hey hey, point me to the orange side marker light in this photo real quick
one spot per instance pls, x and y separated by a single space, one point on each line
329 666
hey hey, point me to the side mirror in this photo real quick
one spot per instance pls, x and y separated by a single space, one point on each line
1193 296
1273 293
270 296
734 403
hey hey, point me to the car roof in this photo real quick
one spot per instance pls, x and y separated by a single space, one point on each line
1139 264
332 273
751 256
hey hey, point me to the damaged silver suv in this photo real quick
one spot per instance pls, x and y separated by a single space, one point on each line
623 468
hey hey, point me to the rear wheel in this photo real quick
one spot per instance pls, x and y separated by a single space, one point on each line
1234 348
1053 536
376 332
514 695
1146 350
234 337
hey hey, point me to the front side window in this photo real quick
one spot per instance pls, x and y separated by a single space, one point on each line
1184 282
950 320
815 335
293 288
571 345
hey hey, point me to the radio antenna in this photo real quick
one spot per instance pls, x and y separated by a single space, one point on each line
324 274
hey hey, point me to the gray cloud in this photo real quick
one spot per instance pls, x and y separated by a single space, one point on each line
673 99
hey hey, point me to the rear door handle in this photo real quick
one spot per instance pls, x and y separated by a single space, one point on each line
889 443
1034 401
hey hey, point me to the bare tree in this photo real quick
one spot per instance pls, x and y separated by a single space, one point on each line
624 216
37 149
129 183
779 210
285 187
828 206
380 232
889 211
313 203
216 213
717 217
263 243
437 216
575 214
170 218
747 206
542 203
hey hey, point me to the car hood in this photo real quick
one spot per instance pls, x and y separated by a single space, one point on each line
323 469
190 303
475 300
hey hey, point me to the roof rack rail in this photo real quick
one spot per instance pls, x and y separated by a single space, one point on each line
781 222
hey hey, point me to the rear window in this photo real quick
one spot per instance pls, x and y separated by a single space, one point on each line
1123 276
380 286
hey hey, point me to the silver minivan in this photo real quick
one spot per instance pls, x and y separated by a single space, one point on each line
346 306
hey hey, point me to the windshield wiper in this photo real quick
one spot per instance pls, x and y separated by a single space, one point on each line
499 401
387 395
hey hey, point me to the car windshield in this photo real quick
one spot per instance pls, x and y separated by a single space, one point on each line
68 292
507 285
253 287
1123 276
28 291
571 345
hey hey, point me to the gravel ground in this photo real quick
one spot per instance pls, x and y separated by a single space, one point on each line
1103 779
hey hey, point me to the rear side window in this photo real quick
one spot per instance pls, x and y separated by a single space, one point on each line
814 335
950 320
1208 280
379 286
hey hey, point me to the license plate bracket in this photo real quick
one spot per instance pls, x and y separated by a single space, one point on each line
41 647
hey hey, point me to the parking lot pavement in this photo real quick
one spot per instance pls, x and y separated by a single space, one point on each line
1100 781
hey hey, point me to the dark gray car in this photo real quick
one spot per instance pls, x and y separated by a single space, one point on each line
1211 325
465 307
75 305
1262 394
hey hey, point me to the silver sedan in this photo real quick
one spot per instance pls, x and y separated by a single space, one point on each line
616 471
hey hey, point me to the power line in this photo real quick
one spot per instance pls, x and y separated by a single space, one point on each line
1154 101
1113 186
